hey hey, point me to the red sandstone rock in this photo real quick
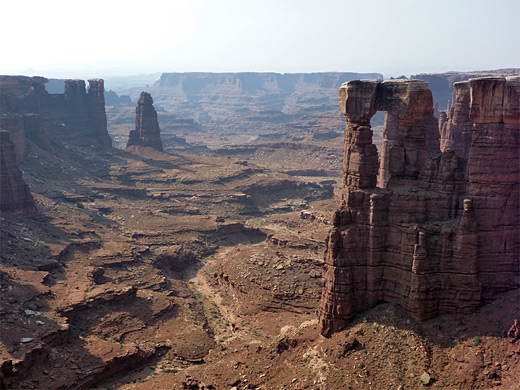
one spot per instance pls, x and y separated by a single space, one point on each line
513 333
147 131
409 114
493 182
15 196
457 130
440 235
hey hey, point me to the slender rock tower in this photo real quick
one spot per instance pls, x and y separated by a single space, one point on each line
147 131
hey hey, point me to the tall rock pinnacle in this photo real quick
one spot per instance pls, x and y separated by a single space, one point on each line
147 131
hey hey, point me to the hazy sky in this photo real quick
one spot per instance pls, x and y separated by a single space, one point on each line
66 38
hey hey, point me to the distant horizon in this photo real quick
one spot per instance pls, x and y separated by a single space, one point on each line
84 74
98 38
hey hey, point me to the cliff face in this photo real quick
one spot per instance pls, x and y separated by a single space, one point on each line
78 116
247 82
30 114
440 233
283 107
75 116
15 196
147 131
442 84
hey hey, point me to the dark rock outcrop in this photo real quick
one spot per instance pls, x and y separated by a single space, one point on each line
76 116
15 196
147 131
440 233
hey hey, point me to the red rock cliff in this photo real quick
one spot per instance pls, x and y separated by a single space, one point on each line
440 233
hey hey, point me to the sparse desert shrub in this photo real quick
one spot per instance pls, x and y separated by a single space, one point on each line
476 341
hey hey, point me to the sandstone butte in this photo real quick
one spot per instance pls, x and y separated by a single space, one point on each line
29 112
434 232
147 131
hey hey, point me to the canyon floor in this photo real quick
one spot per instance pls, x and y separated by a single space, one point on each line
151 270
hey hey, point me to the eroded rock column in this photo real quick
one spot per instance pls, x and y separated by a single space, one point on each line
97 117
147 131
457 130
352 221
411 132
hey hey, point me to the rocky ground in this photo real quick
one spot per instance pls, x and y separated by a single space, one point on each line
98 281
154 270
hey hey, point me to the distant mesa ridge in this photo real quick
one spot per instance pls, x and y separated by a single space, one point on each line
194 82
434 232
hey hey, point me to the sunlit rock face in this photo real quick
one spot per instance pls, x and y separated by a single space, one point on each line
147 131
432 232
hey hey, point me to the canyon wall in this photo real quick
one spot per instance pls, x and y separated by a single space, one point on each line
432 232
76 116
283 107
441 84
147 131
249 82
29 114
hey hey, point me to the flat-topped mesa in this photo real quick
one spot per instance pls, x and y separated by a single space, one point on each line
147 131
440 232
15 196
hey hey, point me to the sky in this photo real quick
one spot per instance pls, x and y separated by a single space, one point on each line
96 38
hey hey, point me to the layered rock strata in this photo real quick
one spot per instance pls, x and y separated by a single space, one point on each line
441 84
31 115
147 131
455 126
439 234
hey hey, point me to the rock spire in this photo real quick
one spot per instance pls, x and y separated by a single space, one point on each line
147 131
